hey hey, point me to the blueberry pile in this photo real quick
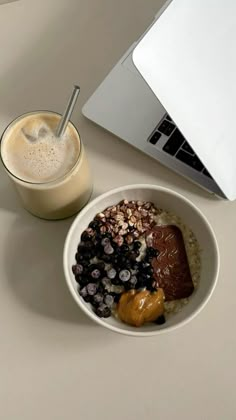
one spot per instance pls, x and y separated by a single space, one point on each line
104 270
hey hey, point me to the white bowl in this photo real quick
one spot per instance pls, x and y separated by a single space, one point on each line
190 215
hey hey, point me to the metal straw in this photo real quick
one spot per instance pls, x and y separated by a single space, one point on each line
68 111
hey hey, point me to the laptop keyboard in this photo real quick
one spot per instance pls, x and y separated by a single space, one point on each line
176 145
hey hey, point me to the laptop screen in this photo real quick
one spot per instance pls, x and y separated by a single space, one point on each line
188 58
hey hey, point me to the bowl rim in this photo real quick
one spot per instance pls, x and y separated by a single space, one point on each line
92 315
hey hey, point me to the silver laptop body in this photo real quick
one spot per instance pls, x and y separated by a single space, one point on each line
125 105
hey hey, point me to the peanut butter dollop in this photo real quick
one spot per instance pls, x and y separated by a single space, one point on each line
137 307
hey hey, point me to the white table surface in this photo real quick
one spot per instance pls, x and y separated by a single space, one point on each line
54 362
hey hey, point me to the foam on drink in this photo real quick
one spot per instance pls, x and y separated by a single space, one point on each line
33 153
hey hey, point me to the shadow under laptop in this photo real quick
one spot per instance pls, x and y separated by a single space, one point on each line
134 165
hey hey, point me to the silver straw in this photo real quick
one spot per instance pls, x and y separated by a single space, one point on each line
68 111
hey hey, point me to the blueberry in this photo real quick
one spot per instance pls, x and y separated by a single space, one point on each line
124 249
108 235
133 281
99 237
95 274
124 275
135 265
109 300
136 245
77 269
133 255
142 280
98 298
111 274
108 249
103 311
160 320
149 285
151 252
92 267
92 289
115 281
114 245
85 264
105 241
82 250
95 224
148 270
116 297
118 251
106 258
100 266
80 258
85 236
143 265
115 260
121 261
99 251
91 253
79 278
82 280
148 259
128 264
152 288
83 292
88 245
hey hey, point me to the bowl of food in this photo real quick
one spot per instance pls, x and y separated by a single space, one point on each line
141 260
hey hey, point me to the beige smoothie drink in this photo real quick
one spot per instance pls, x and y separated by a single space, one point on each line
51 174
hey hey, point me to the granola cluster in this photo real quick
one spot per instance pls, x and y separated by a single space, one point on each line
128 220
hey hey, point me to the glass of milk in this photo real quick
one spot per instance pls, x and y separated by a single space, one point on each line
51 174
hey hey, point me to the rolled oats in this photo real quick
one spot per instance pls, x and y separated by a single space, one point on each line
119 217
139 226
133 219
129 213
125 226
137 214
147 205
103 229
123 232
144 213
119 240
129 239
140 203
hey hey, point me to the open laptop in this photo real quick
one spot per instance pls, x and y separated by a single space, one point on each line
187 60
